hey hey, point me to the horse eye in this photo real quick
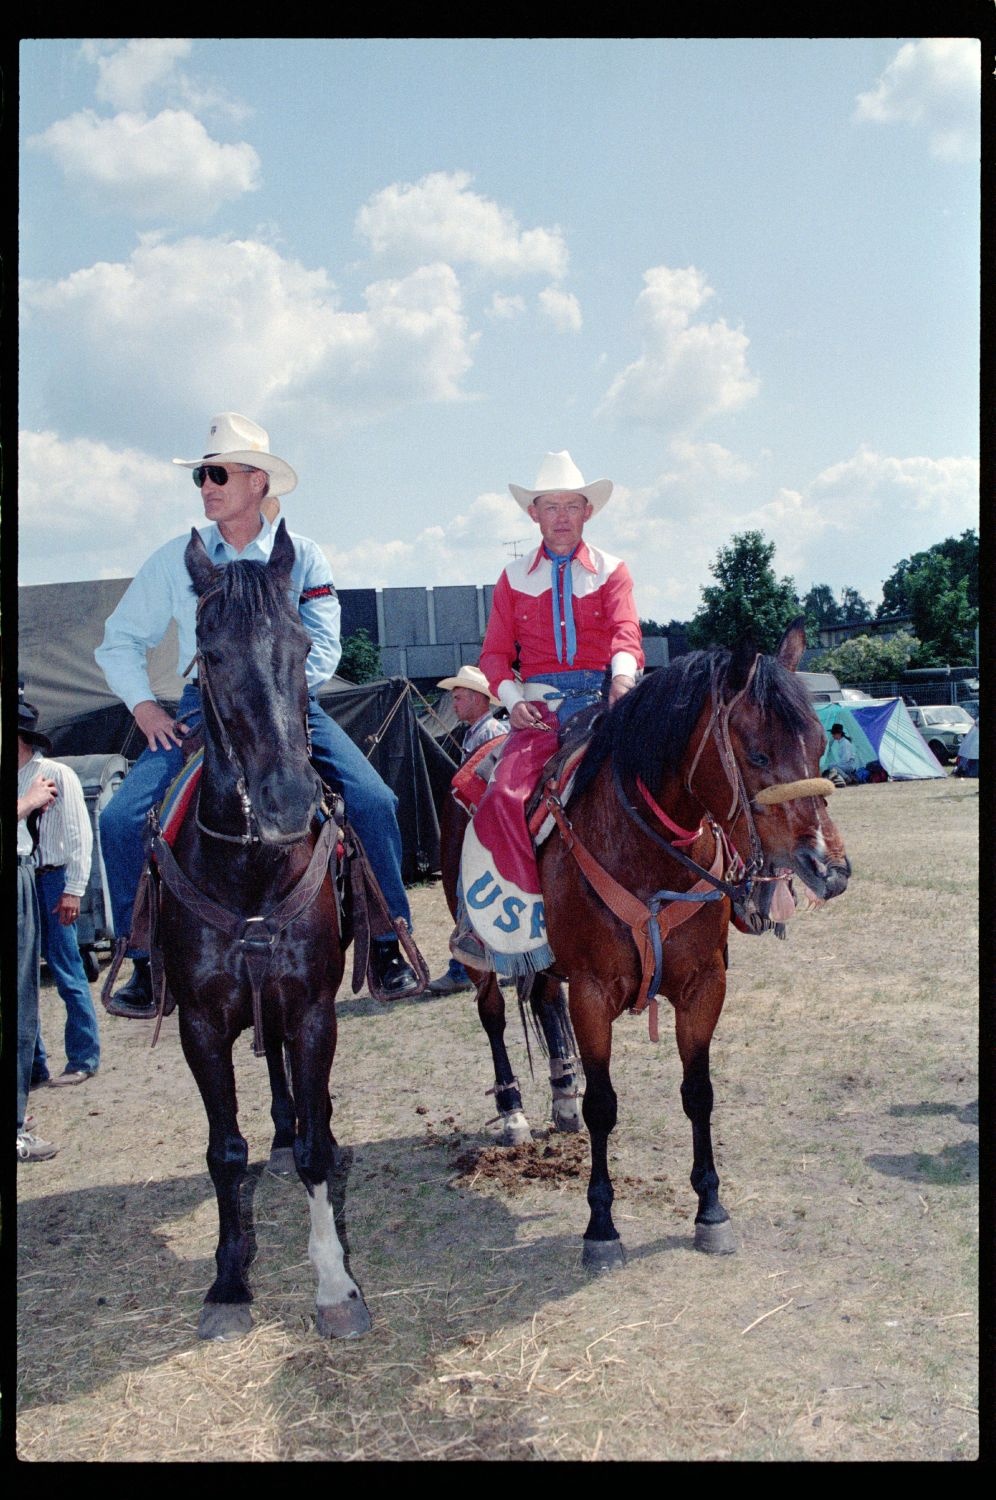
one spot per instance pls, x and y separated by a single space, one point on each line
757 759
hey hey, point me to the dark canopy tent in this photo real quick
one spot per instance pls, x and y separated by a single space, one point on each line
59 628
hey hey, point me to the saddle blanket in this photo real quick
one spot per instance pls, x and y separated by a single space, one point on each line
500 885
178 797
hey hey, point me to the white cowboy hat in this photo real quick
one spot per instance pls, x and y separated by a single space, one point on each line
557 473
472 678
233 439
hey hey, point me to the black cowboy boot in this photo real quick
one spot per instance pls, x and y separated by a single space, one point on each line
393 974
135 998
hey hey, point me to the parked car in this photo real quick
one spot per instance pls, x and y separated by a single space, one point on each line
855 695
971 706
943 726
822 687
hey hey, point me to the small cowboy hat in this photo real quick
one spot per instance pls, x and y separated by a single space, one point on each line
558 473
472 678
233 439
27 727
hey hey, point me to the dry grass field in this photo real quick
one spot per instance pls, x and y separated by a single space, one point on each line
846 1128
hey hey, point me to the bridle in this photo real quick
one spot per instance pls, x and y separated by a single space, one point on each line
253 833
745 874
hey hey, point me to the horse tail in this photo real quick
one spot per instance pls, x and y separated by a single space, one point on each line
545 1018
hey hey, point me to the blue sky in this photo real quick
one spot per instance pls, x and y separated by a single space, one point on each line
738 277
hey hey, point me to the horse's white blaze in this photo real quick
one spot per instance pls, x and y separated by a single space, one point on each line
819 843
325 1252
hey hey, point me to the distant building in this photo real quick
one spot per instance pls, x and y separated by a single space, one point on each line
835 635
428 633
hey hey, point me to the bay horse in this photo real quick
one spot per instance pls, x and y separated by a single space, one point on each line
709 768
250 928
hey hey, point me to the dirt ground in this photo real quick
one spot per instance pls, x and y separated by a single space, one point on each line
846 1131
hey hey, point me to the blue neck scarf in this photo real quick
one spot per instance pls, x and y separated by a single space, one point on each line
561 596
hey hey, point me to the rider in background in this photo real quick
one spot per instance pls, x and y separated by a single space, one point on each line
472 704
238 479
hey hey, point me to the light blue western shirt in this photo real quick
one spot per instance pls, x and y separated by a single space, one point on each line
161 591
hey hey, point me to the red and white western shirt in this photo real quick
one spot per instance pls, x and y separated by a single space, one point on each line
606 623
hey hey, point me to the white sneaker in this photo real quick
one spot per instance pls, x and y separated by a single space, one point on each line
33 1148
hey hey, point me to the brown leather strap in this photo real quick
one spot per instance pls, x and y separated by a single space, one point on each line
630 909
256 936
368 895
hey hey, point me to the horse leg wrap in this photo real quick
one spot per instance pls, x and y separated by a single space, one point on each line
513 1126
566 1095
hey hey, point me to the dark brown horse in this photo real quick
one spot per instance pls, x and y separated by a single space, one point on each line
705 774
255 938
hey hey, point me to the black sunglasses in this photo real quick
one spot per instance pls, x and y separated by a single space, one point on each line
215 473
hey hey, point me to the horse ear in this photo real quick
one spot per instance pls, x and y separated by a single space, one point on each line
200 567
741 661
281 558
792 644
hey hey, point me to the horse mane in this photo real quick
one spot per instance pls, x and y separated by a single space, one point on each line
246 592
646 733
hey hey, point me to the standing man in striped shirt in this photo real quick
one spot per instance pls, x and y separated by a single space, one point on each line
63 854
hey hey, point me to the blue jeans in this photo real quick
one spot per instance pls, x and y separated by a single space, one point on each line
28 951
61 949
580 689
371 806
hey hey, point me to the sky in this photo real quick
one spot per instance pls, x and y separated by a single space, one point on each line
739 277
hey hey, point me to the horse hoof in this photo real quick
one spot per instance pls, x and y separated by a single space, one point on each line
344 1320
281 1162
567 1115
224 1320
513 1129
715 1239
602 1256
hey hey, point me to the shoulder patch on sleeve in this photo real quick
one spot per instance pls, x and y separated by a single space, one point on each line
320 591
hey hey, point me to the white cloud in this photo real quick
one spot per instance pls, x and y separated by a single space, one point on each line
164 167
164 332
438 218
129 72
853 522
89 511
935 84
504 307
472 545
562 308
688 372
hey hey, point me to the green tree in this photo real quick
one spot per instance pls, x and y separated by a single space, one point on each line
651 627
746 599
820 606
853 609
868 658
962 554
360 661
943 617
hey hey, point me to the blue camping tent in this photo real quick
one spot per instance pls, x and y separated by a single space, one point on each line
882 730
